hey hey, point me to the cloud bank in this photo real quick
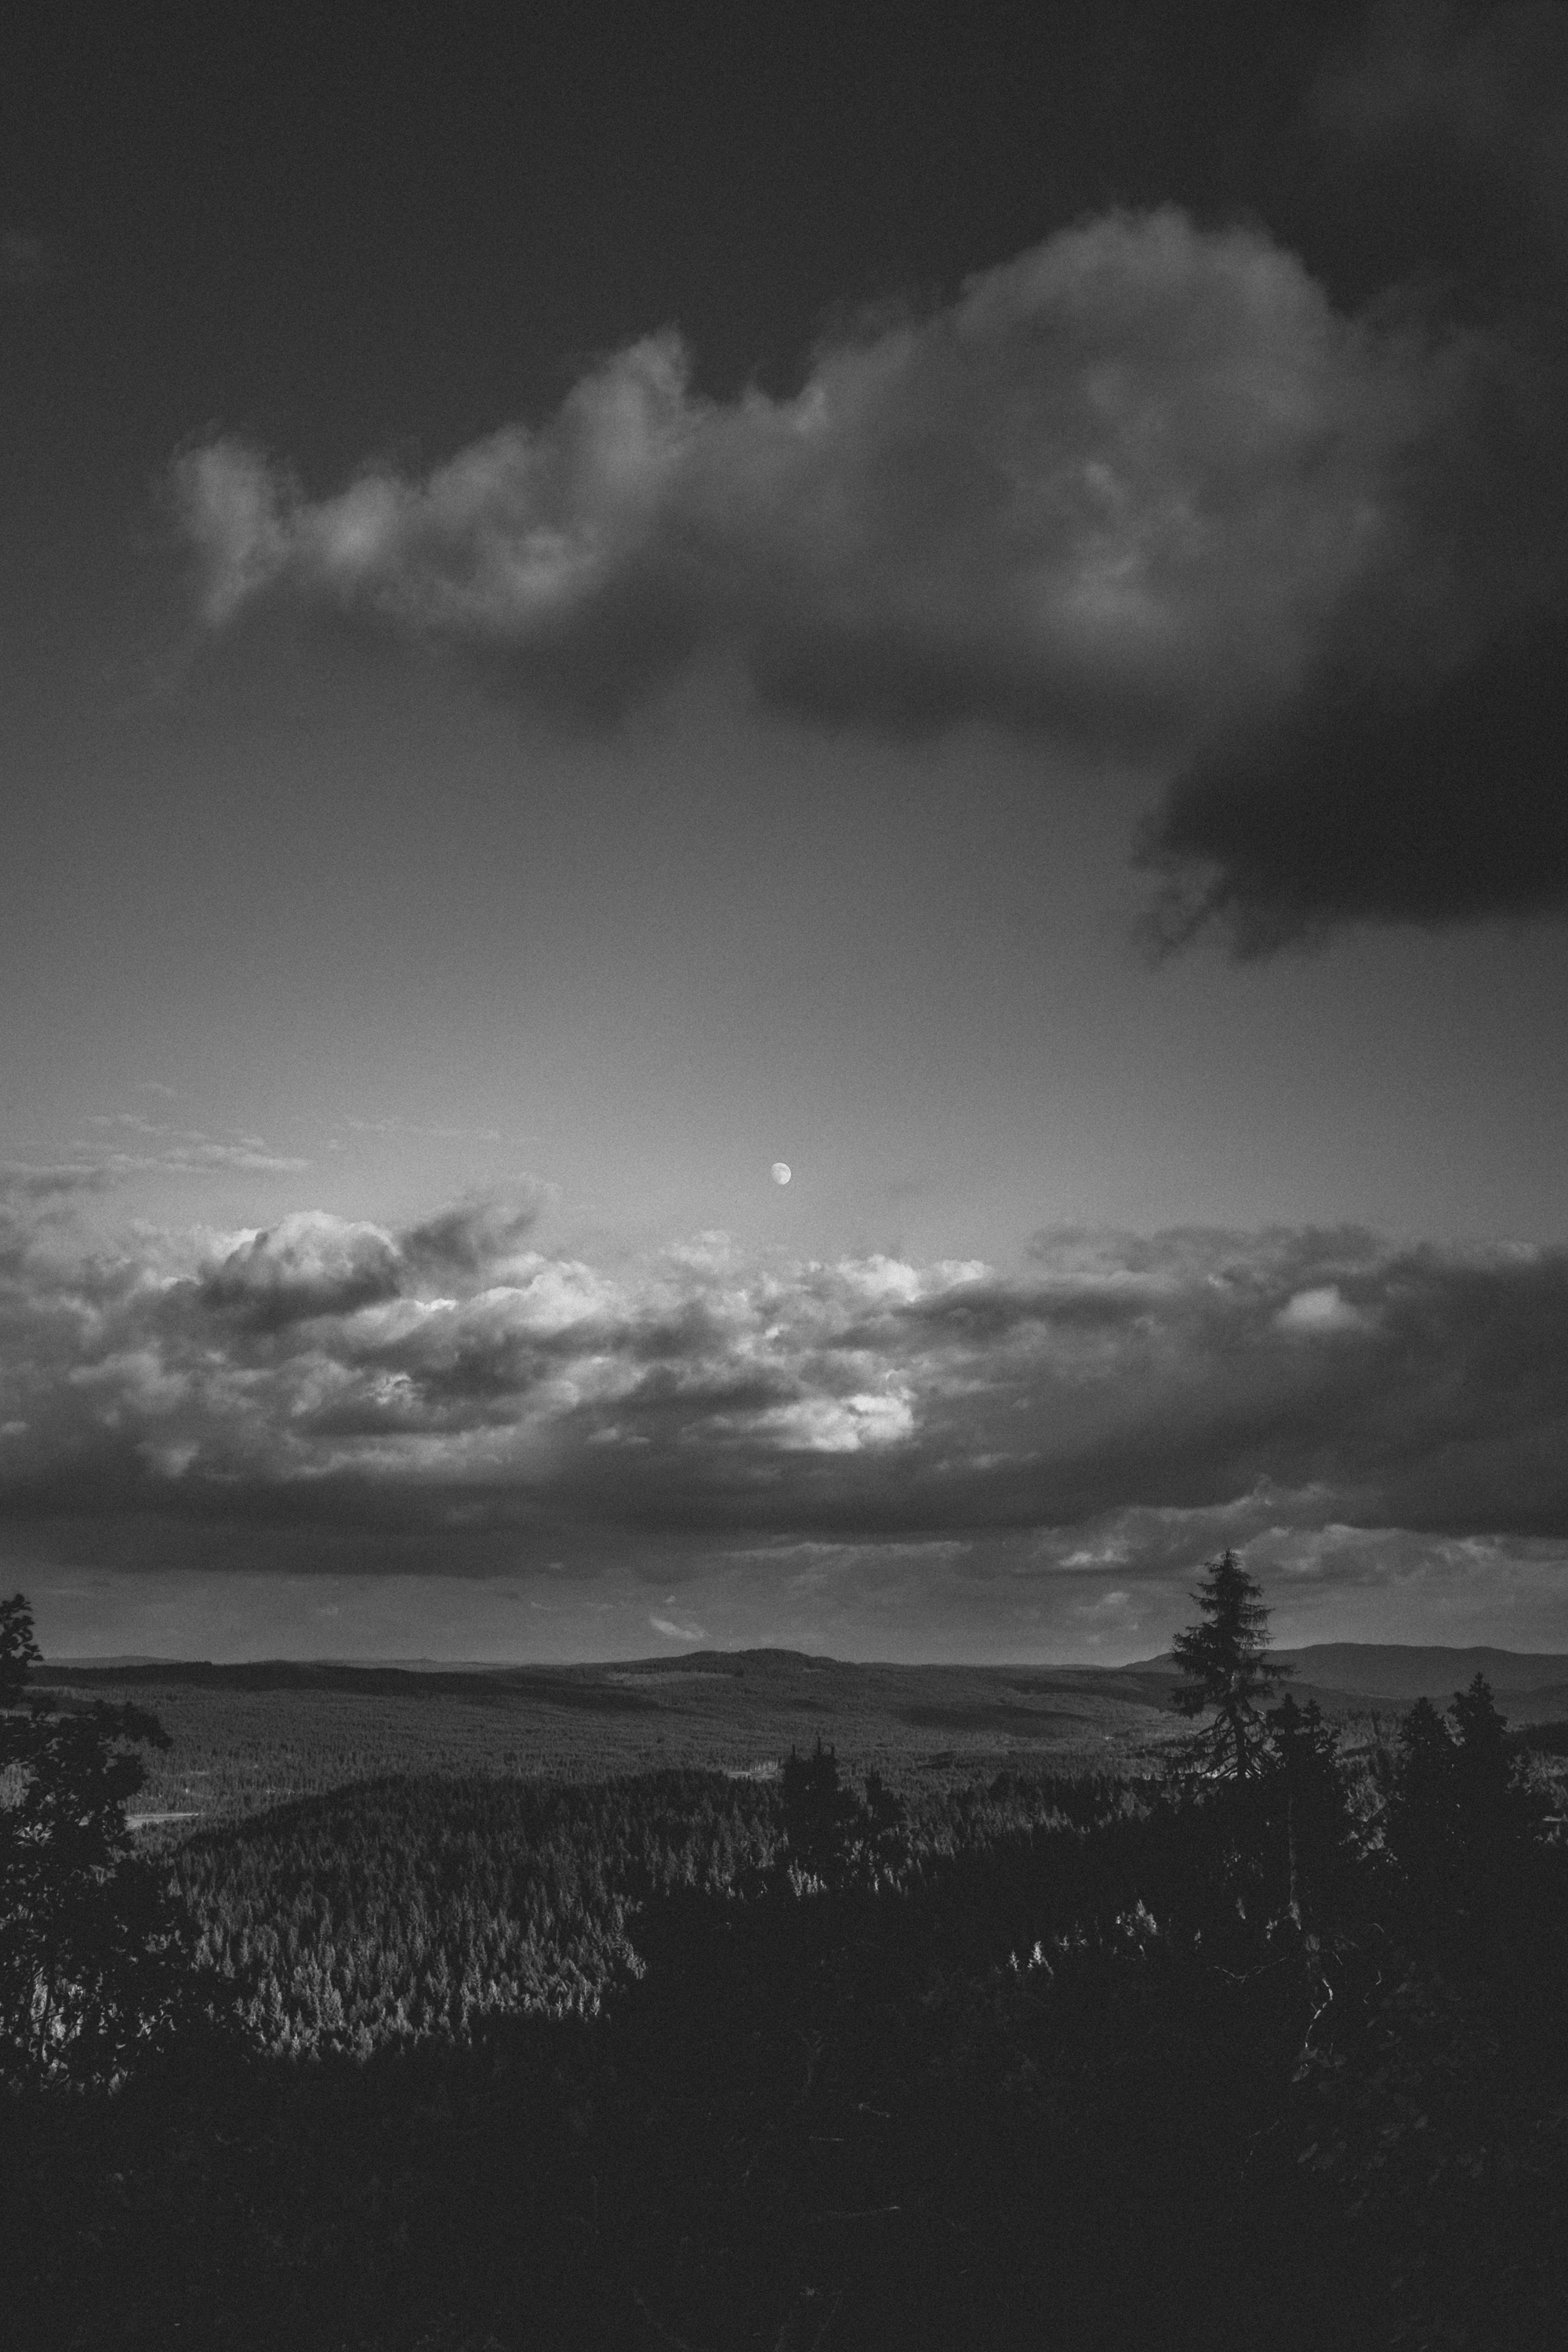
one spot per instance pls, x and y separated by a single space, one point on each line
1144 491
451 1396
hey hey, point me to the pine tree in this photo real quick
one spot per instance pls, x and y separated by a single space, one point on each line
1227 1666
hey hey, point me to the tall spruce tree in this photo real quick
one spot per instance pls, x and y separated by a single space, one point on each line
1228 1670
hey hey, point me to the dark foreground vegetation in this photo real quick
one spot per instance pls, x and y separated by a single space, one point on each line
1264 2051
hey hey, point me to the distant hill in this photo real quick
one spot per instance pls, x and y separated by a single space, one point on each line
249 1737
116 1664
1529 1685
1390 1672
1395 1670
1532 1687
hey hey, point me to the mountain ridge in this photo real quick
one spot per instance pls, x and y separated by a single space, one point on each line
1375 1674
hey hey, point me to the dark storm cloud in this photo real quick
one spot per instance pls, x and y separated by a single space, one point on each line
1434 804
311 1378
1423 779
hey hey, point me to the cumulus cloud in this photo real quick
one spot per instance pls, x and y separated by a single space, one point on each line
311 1265
318 1377
308 1266
479 1232
1146 490
1115 491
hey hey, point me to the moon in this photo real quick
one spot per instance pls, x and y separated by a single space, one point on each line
780 1171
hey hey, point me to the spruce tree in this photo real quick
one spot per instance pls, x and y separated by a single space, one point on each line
1228 1667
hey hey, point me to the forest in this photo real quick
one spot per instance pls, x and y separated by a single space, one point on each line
1263 2044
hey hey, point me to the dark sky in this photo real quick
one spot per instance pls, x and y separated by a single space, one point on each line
972 602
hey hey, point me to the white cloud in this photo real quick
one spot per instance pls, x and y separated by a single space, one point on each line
184 1150
674 1633
1323 1309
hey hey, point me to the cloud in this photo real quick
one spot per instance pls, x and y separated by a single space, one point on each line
1115 492
1323 1309
21 1181
1415 775
312 1264
325 1388
476 1232
309 1264
1430 803
674 1633
206 1159
182 1151
1146 491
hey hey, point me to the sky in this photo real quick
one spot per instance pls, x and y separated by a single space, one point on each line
971 602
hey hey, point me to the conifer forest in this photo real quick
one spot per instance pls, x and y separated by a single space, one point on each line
1258 2038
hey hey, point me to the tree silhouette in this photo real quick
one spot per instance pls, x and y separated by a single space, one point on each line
1227 1666
1308 1801
1499 1809
1462 1819
819 1814
94 1960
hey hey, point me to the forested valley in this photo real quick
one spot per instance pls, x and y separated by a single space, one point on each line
1268 2045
